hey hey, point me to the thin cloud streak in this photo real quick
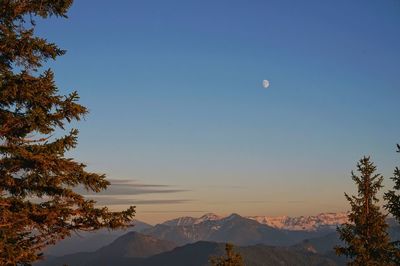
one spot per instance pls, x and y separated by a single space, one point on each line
121 191
132 191
130 187
132 183
121 201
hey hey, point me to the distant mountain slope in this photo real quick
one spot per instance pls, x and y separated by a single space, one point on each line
91 241
320 245
198 254
234 228
135 245
324 246
261 255
130 245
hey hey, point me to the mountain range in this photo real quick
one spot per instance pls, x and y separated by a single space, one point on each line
300 223
191 241
211 227
233 228
129 250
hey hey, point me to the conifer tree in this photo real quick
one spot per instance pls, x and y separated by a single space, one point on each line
38 203
232 258
392 198
366 239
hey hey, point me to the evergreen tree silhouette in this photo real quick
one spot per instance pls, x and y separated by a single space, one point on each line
392 198
366 239
38 203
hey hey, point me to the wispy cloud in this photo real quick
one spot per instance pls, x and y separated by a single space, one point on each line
123 192
127 182
132 187
133 191
108 200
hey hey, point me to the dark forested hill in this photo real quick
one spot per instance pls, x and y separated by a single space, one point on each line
132 249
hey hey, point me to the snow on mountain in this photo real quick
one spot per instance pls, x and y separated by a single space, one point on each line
303 223
184 221
181 221
208 217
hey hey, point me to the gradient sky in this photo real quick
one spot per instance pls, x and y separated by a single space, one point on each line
177 105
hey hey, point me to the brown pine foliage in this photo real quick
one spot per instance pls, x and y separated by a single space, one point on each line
38 203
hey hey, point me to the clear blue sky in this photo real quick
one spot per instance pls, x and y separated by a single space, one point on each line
176 99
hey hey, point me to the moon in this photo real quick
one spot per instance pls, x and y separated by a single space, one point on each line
265 83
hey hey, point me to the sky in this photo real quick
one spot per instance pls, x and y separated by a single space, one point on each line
179 120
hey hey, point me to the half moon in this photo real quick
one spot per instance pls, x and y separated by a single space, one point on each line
265 83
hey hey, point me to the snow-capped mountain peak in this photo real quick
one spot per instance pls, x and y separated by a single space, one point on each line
208 217
303 223
186 220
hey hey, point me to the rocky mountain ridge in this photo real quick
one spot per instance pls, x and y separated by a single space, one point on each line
233 228
300 223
